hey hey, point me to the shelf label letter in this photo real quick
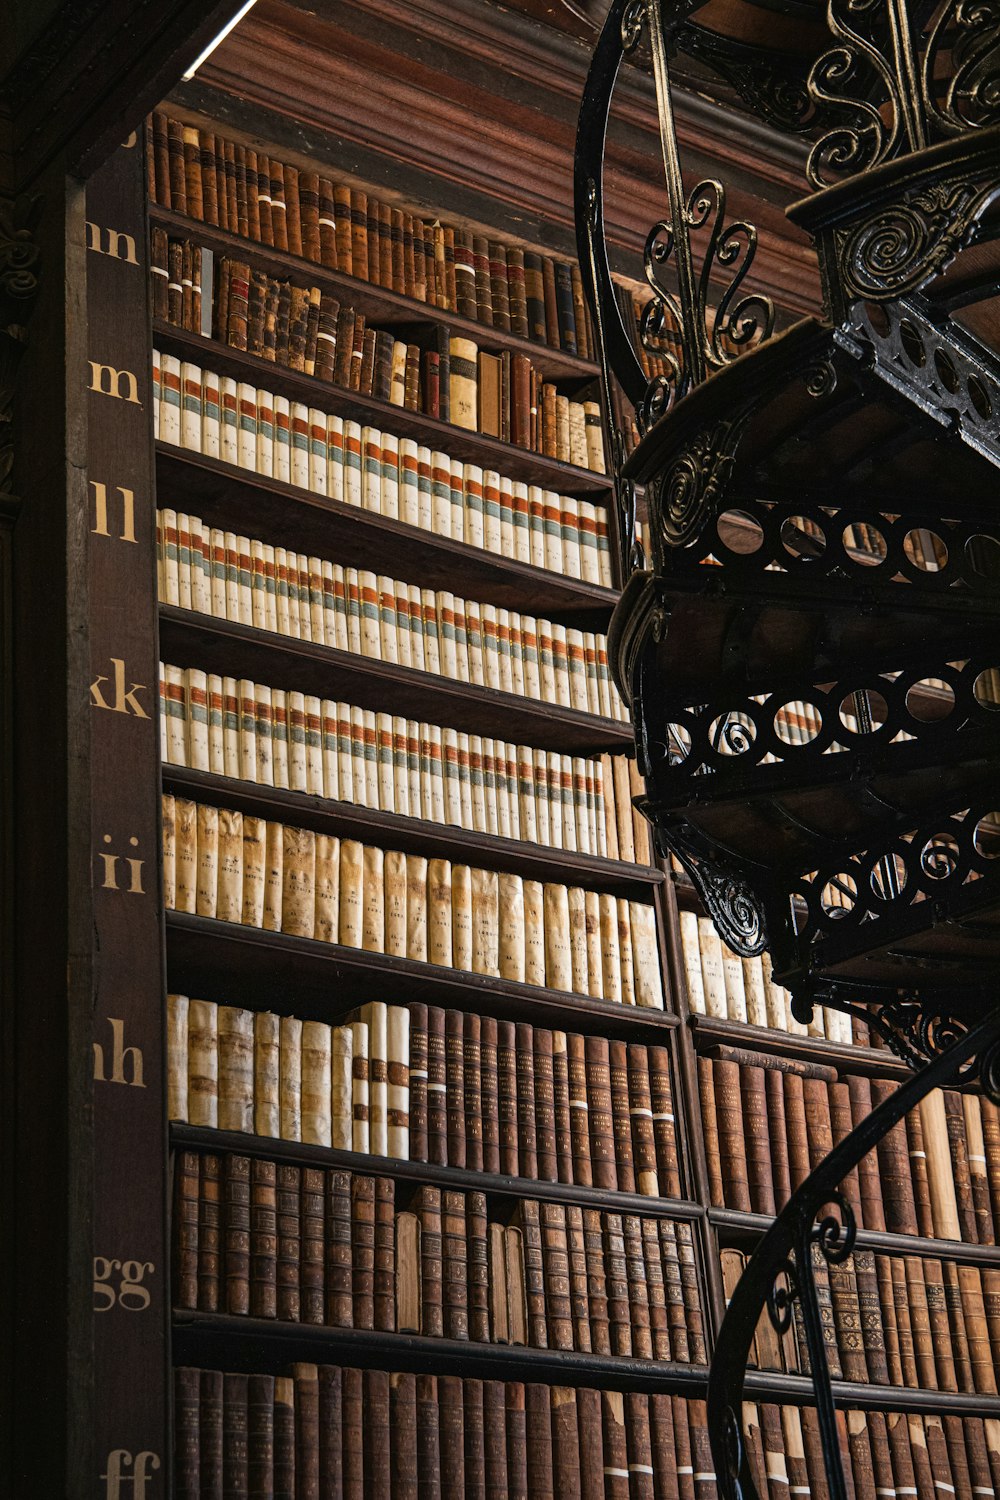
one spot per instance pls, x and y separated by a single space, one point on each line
116 243
119 1460
101 511
119 1055
110 862
130 1292
108 381
125 702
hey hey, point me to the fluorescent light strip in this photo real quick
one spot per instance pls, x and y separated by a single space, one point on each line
192 70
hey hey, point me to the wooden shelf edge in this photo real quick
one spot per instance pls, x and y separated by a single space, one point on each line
219 1336
753 1226
549 725
412 835
378 302
874 1062
493 1184
301 976
478 448
765 1385
333 521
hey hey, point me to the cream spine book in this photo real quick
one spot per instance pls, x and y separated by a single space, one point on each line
318 452
409 482
266 1074
331 764
273 875
203 1063
170 400
485 922
360 1135
386 599
351 893
246 431
441 494
534 932
432 631
335 457
290 1078
416 907
299 444
316 1083
375 1017
625 939
353 467
168 824
373 897
595 962
207 895
461 917
439 912
712 971
398 1033
264 463
254 870
611 978
235 1069
394 871
425 514
691 952
282 440
474 527
492 533
177 1057
263 713
456 497
342 1088
390 476
327 915
229 450
558 957
229 906
279 738
314 746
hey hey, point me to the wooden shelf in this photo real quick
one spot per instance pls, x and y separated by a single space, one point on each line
871 1062
767 1385
261 970
189 639
413 835
457 442
238 500
220 1341
190 1137
383 307
748 1228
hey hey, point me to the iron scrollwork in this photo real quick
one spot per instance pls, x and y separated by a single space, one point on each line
899 248
684 497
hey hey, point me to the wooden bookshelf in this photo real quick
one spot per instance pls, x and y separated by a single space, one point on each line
473 447
746 1229
314 523
414 835
380 305
872 1062
190 639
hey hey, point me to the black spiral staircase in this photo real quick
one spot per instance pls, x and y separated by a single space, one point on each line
823 513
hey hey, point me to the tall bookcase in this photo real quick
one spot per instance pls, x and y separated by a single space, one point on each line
271 971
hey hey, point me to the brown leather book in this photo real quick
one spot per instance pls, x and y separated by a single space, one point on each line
640 1109
474 1438
847 1319
578 1286
451 1419
235 1478
664 1124
454 1032
616 1273
236 1232
263 1239
538 1432
495 1440
560 1100
920 1326
990 1117
918 1172
437 1087
284 1438
601 1119
507 1098
331 1432
516 291
517 1440
549 299
620 1115
363 1250
565 1443
545 1116
796 1130
872 1209
977 1455
384 1283
774 1095
758 1142
310 1244
692 1296
616 1477
682 1447
894 1170
481 267
376 1435
473 1092
673 1292
710 1129
579 1122
187 1446
428 1439
904 1322
555 1256
338 1259
937 1313
959 1152
638 1294
210 1432
662 1454
732 1145
260 1436
499 286
418 1082
428 1206
184 1269
957 1456
400 1438
597 1287
288 1188
529 1221
477 1267
352 1407
655 1289
527 1138
305 1436
489 1087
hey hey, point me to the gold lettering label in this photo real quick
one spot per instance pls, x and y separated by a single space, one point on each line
120 384
126 1062
112 242
100 526
125 702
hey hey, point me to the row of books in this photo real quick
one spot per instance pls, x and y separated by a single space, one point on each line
243 730
219 863
910 1321
265 1239
222 182
768 1122
268 588
725 986
417 1082
325 1432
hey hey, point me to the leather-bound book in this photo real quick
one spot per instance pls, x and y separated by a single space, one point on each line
331 1430
338 1257
428 1439
957 1456
544 1092
600 1113
384 1285
301 1232
352 1407
990 1118
774 1098
418 1082
662 1452
527 1138
976 1453
920 1326
732 1146
184 1270
894 1170
566 1474
872 1210
437 1087
284 1438
579 1120
560 1100
664 1125
495 1440
757 1138
451 1420
474 1447
616 1478
454 1251
529 1219
489 1094
620 1115
616 1271
638 1293
692 1299
710 1129
847 1317
455 1080
579 1301
260 1437
428 1207
210 1433
306 1378
187 1447
472 1089
363 1251
937 1312
507 1101
959 1152
401 1438
376 1435
517 1440
655 1289
477 1267
209 1233
796 1129
597 1283
640 1108
538 1425
976 1156
263 1239
555 1254
673 1292
236 1219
